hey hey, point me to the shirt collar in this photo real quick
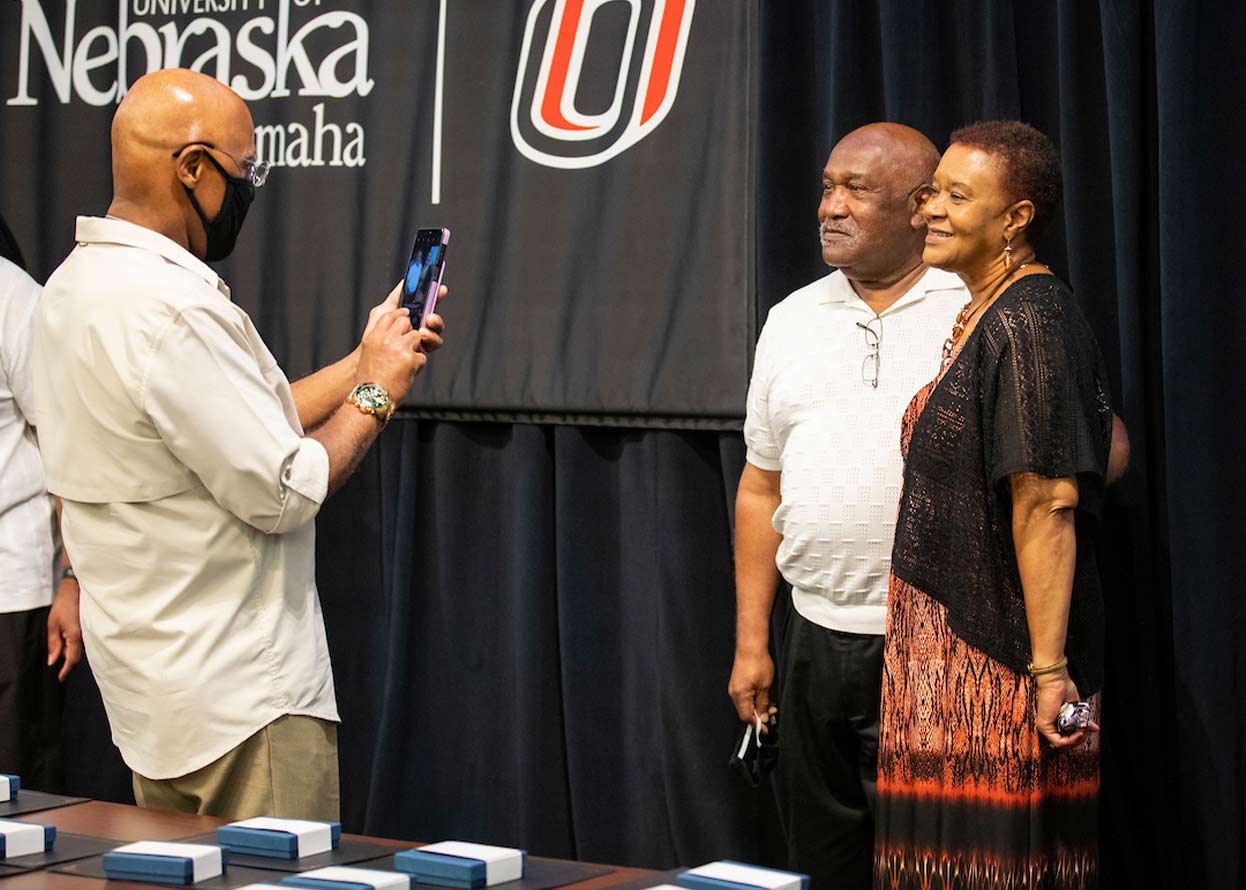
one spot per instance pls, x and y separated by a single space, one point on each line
106 230
840 290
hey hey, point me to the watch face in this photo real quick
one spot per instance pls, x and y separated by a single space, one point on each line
372 396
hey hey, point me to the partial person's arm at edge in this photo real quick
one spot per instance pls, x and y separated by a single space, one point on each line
757 577
1118 455
64 629
1045 540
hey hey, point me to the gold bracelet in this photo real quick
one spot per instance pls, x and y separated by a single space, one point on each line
1047 669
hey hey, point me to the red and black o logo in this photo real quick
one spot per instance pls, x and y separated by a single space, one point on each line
596 76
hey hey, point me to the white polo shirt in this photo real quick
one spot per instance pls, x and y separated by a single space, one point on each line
836 438
173 439
25 508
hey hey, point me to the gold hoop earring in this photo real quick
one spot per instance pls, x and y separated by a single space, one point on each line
1007 251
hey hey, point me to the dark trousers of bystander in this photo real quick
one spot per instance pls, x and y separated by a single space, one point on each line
30 702
828 751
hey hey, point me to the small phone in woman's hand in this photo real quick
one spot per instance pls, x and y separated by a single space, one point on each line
1074 716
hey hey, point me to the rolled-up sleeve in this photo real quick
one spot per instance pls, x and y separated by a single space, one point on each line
307 473
208 398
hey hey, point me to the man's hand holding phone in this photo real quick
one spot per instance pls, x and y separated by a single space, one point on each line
430 334
403 328
390 354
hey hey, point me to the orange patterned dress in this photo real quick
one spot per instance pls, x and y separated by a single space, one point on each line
970 797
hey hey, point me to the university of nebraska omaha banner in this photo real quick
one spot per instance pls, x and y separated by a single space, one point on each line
592 158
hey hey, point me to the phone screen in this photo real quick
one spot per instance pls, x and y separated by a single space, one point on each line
424 274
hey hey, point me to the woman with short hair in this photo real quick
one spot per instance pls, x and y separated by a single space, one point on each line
995 615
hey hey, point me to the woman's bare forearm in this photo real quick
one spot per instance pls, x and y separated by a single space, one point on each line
1045 539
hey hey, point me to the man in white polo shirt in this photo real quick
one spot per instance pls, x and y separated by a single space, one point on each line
191 470
836 365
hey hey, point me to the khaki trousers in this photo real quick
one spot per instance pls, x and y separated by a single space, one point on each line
288 770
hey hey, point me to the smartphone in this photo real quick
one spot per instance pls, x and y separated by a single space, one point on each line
422 283
1074 716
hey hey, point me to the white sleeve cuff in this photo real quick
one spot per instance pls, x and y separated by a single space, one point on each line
308 471
773 464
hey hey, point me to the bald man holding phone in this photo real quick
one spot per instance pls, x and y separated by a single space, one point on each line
191 469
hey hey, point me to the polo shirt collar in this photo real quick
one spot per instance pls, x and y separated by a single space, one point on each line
838 290
106 230
841 291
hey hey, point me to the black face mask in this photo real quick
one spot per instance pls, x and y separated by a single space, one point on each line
222 231
757 752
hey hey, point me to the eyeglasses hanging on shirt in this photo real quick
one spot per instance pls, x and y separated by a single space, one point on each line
873 340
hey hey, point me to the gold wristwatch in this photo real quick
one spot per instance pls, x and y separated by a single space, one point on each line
371 398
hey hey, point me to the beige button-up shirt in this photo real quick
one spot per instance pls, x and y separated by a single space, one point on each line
170 433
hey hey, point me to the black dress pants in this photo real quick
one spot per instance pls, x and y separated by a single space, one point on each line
30 702
828 751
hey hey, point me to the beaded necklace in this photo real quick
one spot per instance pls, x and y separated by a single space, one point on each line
968 312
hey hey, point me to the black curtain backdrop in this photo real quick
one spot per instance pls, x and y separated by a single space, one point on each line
532 625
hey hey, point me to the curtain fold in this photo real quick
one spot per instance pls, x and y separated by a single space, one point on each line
1203 325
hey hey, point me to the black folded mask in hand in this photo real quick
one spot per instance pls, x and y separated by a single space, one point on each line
756 752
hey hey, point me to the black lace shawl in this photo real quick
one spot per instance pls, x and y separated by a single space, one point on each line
1027 393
